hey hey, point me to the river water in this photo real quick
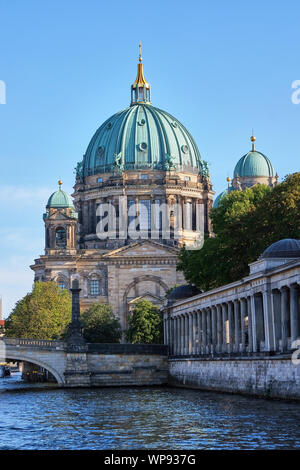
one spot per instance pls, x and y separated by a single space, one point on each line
39 417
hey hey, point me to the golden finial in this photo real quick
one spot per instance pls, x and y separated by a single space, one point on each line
60 183
140 89
228 179
253 139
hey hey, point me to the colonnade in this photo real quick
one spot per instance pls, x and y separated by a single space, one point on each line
267 320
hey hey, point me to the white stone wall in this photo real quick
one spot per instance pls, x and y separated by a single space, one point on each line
268 377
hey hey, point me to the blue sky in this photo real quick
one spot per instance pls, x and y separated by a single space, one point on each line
222 68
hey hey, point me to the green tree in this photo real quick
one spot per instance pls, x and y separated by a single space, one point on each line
100 325
245 223
42 314
145 324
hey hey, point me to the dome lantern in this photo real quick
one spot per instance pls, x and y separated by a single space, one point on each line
140 89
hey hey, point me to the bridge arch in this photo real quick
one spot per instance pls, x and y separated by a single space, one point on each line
33 360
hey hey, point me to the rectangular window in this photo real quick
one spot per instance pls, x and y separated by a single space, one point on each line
144 177
94 287
145 214
99 180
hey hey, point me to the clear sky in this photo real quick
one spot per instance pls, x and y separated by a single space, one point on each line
221 67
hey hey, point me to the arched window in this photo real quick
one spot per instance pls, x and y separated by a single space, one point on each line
62 282
60 238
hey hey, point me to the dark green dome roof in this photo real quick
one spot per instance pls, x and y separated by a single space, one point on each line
141 137
254 163
183 292
286 248
60 199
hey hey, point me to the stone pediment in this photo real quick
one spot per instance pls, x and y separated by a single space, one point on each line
143 249
146 296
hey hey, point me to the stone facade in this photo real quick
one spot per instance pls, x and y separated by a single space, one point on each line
142 270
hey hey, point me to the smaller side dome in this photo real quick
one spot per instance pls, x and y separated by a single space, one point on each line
183 292
60 200
220 197
286 248
254 164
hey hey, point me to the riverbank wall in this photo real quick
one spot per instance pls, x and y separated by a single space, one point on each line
269 377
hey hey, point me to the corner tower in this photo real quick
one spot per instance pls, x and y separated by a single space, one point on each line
60 221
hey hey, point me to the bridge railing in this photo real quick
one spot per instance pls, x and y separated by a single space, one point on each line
34 343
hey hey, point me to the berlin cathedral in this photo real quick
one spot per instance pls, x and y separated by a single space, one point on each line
140 160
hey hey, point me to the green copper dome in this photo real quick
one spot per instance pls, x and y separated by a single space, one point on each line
254 163
220 197
60 199
138 138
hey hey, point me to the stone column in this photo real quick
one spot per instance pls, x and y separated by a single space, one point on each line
284 317
186 330
224 320
213 329
250 334
199 335
268 320
276 314
190 337
243 316
75 340
208 330
294 305
165 331
171 340
231 326
237 325
194 341
253 324
181 335
204 337
178 335
219 328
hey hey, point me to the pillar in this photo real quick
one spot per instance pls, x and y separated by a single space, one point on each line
294 307
181 335
213 329
208 330
219 328
224 320
250 328
231 326
243 317
276 314
203 325
237 325
186 334
190 337
194 346
199 335
284 317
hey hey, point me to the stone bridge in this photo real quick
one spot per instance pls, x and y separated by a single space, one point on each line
95 364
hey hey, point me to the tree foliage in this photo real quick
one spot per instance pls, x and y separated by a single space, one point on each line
245 223
42 314
100 325
145 324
